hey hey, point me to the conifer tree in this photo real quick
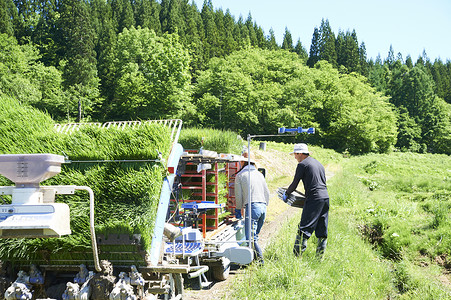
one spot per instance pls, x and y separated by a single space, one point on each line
351 52
45 33
287 43
210 31
261 40
80 74
175 21
7 12
340 46
229 26
251 30
243 34
327 43
164 14
106 39
27 17
123 16
147 15
300 50
364 66
194 36
314 55
272 44
409 62
220 29
390 60
442 80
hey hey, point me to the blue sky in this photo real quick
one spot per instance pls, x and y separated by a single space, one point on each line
410 26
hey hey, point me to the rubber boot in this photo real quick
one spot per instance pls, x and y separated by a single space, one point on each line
321 247
300 244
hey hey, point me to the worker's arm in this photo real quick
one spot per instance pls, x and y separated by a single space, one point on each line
297 177
238 192
266 191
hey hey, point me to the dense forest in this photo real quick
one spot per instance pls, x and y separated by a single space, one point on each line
97 60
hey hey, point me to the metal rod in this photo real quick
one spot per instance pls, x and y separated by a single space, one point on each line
249 202
112 160
91 226
199 272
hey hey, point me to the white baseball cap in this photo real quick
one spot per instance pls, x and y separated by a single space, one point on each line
300 148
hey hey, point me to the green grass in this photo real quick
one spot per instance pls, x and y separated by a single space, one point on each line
126 194
388 227
221 141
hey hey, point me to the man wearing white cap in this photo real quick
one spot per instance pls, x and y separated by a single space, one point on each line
316 207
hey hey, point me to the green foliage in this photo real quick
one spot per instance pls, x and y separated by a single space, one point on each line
152 76
257 91
23 77
126 193
220 141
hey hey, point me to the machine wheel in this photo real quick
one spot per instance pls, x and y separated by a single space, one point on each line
221 271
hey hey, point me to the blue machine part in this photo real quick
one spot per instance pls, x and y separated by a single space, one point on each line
201 205
166 190
310 130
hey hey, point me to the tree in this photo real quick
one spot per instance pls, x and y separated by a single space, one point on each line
261 40
175 20
210 30
287 43
409 133
8 12
272 44
251 30
314 55
257 91
27 17
147 15
152 77
300 50
229 26
327 43
194 37
364 66
390 60
123 16
80 71
379 76
414 90
348 53
43 28
106 38
29 81
220 29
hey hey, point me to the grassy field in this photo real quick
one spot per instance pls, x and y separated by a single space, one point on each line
389 234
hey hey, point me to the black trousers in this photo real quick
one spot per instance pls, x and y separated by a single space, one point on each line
314 217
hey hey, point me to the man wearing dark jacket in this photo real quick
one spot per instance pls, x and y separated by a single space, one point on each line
316 207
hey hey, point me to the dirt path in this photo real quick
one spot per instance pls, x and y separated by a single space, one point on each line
220 290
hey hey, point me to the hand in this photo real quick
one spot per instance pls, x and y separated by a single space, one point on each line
285 196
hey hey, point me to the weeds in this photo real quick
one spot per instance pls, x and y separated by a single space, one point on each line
389 240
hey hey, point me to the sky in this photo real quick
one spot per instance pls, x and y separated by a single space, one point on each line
410 26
